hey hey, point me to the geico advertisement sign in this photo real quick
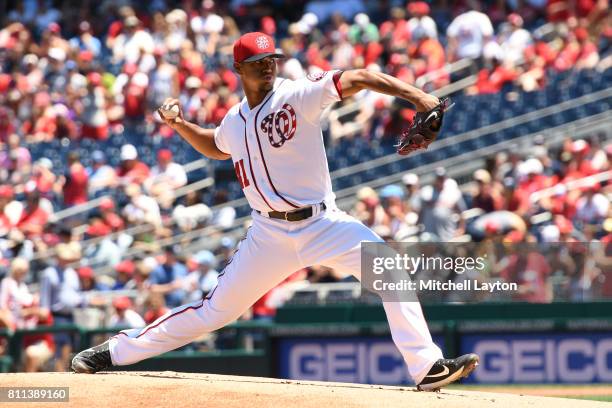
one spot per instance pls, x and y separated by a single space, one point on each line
358 360
545 358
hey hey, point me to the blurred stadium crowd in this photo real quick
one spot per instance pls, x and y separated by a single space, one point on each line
86 81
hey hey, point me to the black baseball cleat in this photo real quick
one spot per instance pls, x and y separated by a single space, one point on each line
444 372
92 360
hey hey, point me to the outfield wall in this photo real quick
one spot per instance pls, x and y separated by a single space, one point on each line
518 343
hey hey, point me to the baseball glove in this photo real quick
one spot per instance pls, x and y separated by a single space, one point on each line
424 129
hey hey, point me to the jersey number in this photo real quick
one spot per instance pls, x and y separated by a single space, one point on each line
241 174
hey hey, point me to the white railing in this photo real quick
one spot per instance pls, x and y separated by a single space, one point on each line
571 185
447 69
473 134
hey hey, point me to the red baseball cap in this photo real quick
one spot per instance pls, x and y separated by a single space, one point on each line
254 46
85 272
164 154
107 204
122 302
126 267
418 7
6 191
98 229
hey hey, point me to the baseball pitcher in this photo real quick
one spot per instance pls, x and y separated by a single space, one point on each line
273 137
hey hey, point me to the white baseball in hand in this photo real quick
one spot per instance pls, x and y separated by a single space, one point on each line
169 112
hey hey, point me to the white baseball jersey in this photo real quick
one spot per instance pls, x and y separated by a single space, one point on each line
279 157
277 147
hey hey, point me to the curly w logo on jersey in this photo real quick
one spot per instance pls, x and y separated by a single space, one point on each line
285 124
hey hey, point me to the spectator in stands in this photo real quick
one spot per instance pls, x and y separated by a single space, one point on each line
531 177
442 205
421 21
134 98
569 52
515 41
167 279
15 296
10 210
129 46
413 197
93 114
101 176
492 80
191 97
588 57
124 316
125 272
86 41
201 281
579 165
603 260
533 77
44 177
38 348
164 80
560 202
393 31
7 118
141 208
34 216
468 34
207 26
55 78
224 215
25 313
155 307
527 268
428 56
144 267
165 177
193 213
15 161
65 127
88 282
74 182
592 208
484 196
60 294
368 209
391 197
131 169
364 36
105 252
109 216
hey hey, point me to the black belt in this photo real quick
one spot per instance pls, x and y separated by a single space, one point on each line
296 215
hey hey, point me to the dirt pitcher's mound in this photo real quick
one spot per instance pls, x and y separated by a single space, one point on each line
170 389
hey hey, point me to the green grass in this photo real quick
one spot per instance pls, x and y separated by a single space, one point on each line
607 397
603 398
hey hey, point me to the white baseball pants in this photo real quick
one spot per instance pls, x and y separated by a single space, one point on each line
274 249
